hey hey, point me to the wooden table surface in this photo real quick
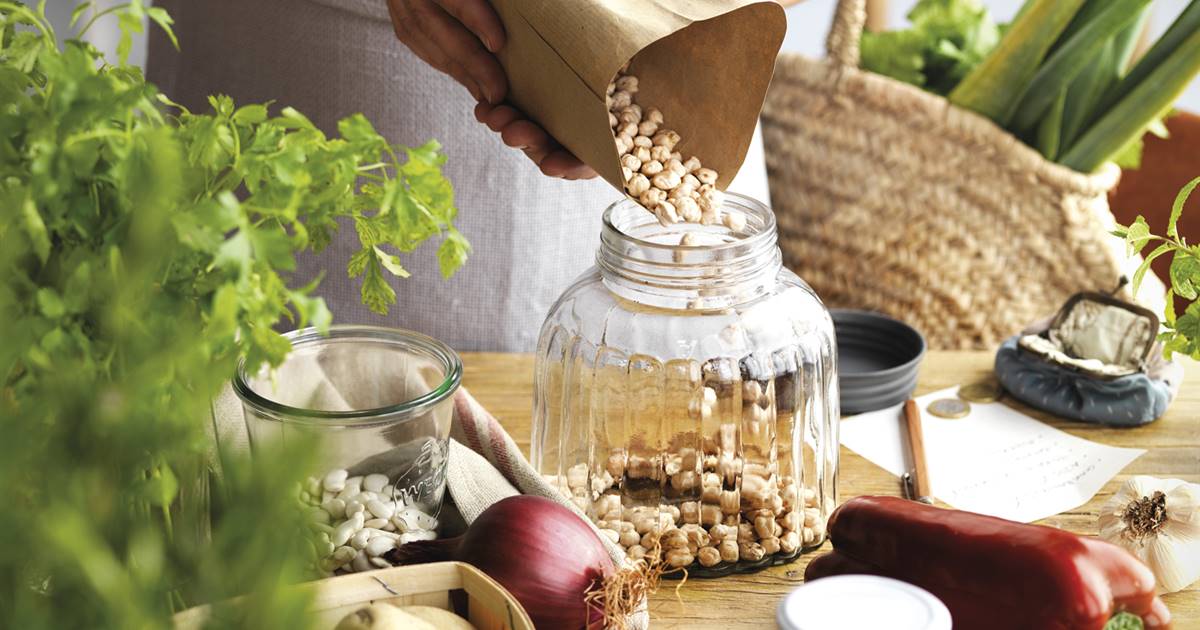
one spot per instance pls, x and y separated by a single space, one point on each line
503 383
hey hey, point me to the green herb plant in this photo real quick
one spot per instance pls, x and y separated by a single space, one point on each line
144 251
1181 332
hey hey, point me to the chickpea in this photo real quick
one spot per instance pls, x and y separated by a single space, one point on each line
751 551
709 556
729 550
678 558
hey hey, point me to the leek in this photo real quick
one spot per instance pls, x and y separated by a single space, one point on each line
995 85
1070 59
1186 25
1086 90
1146 96
1049 133
1095 81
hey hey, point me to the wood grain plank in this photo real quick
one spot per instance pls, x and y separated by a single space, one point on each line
503 383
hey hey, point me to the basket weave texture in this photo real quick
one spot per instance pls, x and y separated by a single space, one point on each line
891 199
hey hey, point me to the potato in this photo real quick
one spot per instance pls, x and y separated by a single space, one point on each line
383 617
443 619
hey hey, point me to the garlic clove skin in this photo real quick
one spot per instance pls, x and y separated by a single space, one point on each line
1164 534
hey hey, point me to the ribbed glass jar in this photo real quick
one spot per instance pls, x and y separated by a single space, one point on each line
691 388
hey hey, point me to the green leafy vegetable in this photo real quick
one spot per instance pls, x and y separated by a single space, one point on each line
1078 50
1124 621
1182 333
948 38
1165 47
145 251
1143 104
995 86
1057 76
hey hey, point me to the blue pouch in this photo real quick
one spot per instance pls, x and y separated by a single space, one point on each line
1097 361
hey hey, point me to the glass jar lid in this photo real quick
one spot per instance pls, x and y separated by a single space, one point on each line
862 601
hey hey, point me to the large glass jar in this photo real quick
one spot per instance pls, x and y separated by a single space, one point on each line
691 387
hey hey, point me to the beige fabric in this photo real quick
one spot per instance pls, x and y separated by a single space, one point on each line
1114 335
891 199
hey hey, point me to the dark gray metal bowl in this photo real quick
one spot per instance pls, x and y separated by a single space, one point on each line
878 358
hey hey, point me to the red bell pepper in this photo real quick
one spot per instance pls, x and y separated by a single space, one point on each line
991 573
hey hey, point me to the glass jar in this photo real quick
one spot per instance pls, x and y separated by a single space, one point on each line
377 401
693 388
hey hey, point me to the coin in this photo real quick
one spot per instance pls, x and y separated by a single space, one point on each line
981 392
949 408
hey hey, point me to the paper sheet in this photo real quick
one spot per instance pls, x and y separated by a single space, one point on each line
995 461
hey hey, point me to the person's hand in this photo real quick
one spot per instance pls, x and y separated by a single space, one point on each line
460 38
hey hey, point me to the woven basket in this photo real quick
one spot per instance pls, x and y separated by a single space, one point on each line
891 199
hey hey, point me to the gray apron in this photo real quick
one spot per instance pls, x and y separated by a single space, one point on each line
531 234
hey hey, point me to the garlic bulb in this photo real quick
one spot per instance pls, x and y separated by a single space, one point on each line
1158 521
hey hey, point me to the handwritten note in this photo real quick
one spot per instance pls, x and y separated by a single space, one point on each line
995 461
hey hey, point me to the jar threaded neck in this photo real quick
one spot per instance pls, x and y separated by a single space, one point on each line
643 261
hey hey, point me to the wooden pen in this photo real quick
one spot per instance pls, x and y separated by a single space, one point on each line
916 489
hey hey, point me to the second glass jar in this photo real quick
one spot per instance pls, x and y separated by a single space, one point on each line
686 395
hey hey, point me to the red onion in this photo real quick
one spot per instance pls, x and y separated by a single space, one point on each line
542 552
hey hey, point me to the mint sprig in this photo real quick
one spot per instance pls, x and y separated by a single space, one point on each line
1181 332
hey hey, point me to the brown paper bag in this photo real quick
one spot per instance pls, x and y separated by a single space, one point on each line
705 63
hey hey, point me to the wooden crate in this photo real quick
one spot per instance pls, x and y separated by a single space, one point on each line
489 606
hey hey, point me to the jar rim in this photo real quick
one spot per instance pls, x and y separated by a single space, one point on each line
642 260
432 348
765 225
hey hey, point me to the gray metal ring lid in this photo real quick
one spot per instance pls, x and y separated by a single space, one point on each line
878 360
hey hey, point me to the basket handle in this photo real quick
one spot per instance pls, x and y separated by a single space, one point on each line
846 32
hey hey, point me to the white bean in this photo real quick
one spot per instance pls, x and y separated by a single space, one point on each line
416 519
381 509
335 480
379 546
419 534
360 563
382 563
335 507
377 523
344 531
360 538
375 482
342 555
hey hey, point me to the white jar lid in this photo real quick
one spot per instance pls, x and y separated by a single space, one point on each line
861 602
